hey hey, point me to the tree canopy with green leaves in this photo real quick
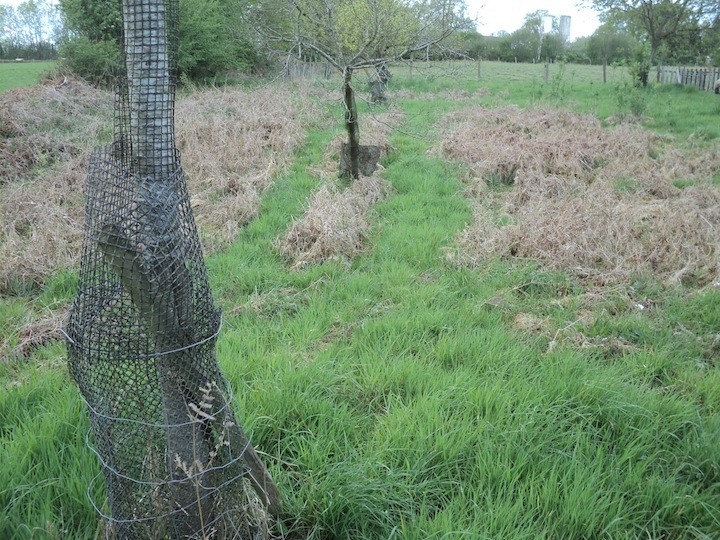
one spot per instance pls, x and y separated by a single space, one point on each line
355 34
658 22
212 38
610 43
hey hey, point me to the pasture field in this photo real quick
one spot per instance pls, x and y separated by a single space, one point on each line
21 74
429 378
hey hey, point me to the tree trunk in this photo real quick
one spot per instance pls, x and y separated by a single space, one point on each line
605 70
351 124
140 332
149 97
150 104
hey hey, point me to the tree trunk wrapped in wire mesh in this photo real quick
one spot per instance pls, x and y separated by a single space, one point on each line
142 330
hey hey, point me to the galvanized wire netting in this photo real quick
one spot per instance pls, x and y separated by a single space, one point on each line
141 333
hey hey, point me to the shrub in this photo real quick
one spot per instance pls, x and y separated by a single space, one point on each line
94 62
211 40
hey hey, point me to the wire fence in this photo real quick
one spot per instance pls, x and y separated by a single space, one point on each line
299 69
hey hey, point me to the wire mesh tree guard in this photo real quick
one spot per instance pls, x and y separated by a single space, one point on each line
142 330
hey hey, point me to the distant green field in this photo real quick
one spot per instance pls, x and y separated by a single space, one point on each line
669 109
19 74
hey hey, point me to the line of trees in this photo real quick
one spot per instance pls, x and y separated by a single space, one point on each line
534 42
218 36
647 31
30 31
86 36
667 31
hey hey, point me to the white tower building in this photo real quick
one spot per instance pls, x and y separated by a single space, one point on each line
565 27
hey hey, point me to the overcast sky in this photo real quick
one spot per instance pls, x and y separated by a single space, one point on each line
508 15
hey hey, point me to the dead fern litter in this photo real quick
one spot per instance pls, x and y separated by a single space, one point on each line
597 202
335 224
35 332
233 142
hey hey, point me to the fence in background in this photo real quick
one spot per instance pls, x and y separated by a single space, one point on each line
297 69
702 77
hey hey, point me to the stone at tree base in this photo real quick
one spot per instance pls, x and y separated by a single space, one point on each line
369 157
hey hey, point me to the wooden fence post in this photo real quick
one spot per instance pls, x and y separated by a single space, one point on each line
604 70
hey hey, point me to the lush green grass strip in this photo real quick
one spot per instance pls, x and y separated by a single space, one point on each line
46 468
397 402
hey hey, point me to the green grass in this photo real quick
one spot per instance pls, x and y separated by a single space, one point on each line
20 74
397 397
669 109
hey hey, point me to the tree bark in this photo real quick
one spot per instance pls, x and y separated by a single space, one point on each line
159 302
351 124
149 96
153 271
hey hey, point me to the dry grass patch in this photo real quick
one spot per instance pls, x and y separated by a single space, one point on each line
232 141
35 332
597 202
50 123
41 226
335 224
46 134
